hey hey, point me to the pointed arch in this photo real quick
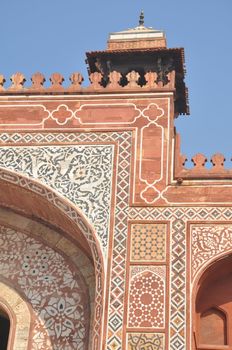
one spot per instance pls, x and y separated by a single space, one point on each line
212 305
213 326
19 315
36 200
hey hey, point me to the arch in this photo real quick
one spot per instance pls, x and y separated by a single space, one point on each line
213 327
54 240
35 200
4 328
212 305
19 315
53 287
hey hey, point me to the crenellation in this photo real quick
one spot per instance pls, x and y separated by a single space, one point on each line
76 81
115 80
38 81
151 78
56 80
2 82
171 80
199 161
132 78
96 80
18 81
201 166
217 161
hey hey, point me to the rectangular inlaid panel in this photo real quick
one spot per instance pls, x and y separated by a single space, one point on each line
146 341
148 242
81 173
146 307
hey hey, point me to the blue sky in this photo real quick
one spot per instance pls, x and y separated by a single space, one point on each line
53 35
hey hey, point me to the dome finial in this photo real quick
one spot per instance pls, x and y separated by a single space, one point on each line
141 18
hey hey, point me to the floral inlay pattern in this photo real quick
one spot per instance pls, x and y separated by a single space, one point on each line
146 341
209 241
82 173
54 289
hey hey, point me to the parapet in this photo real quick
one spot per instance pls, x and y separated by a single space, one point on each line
115 81
203 168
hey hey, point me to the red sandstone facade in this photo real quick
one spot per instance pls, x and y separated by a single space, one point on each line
107 240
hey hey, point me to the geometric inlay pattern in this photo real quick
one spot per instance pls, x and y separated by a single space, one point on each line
55 290
147 295
208 242
146 341
184 213
82 173
178 217
148 242
117 287
178 286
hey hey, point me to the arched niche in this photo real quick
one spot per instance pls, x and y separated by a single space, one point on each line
212 307
33 200
5 326
213 327
14 308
